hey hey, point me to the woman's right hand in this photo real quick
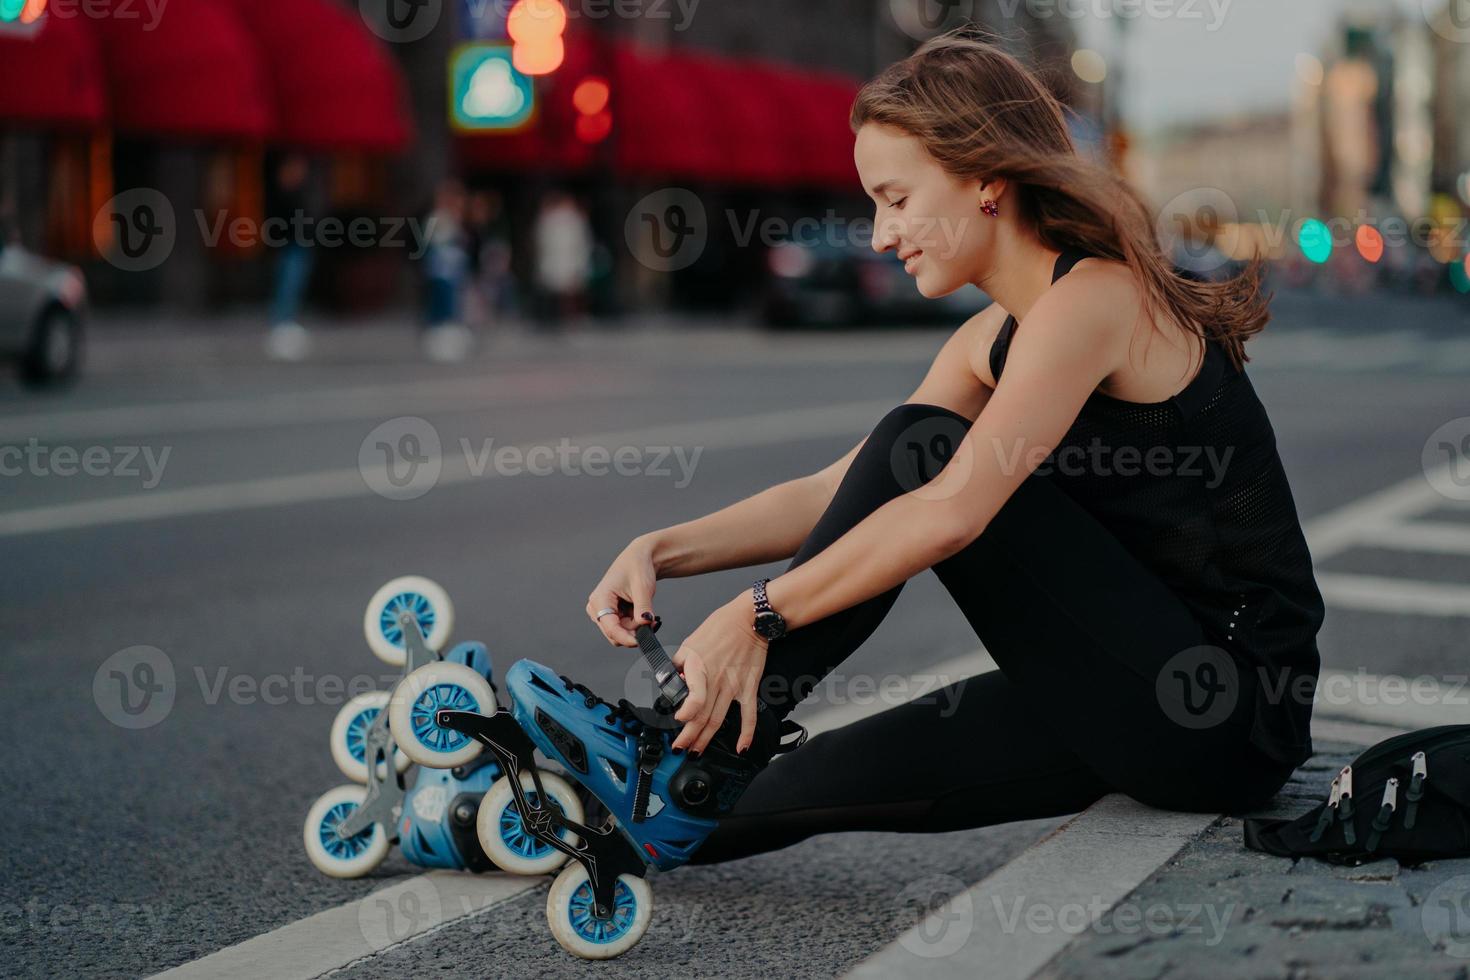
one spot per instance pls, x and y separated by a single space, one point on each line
627 587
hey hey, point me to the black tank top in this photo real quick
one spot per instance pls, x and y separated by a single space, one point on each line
1212 514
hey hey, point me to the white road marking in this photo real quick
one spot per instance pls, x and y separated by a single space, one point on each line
1374 593
1074 876
1385 519
1391 700
418 906
1439 537
304 407
763 429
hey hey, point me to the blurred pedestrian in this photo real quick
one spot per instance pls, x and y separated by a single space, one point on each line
288 340
488 236
446 262
563 257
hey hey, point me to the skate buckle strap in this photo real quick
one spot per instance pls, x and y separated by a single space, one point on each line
1385 813
650 753
1415 792
1345 806
1325 820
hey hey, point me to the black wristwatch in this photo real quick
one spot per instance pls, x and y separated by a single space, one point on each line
768 622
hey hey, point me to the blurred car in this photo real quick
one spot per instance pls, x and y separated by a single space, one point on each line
827 284
42 309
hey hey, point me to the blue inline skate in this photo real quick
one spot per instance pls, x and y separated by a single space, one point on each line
437 821
660 804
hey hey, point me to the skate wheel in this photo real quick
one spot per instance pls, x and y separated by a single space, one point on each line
418 696
349 737
569 913
350 858
506 840
429 604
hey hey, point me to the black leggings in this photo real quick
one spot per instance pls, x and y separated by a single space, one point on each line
1081 632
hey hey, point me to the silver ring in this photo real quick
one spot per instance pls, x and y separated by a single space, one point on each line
603 612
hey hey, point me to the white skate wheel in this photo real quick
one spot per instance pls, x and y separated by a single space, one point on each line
569 913
349 737
429 604
350 858
420 695
504 838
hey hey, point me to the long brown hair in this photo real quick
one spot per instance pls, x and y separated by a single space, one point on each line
982 114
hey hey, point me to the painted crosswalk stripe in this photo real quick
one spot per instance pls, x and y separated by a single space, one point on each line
741 432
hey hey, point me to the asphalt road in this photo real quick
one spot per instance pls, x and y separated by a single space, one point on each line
246 549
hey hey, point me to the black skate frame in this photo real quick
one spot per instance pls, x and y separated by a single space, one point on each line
604 852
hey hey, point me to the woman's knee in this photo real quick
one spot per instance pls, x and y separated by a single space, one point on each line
915 440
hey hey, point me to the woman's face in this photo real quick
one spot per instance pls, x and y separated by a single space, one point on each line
929 218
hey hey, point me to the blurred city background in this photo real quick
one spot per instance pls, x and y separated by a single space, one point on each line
279 161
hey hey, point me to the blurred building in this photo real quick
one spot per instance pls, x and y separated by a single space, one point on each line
744 106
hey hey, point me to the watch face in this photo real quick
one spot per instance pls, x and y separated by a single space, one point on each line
770 624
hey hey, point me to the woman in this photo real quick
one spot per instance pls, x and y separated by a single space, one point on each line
1085 466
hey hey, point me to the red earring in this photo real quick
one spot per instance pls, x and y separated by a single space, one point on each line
990 207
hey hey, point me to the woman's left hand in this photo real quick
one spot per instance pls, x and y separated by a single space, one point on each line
722 661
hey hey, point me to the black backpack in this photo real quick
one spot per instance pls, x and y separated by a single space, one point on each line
1408 797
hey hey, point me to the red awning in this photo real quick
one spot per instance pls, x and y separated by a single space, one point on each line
333 85
53 76
190 71
681 114
694 115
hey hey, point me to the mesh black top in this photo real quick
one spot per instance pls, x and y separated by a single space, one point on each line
1194 488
